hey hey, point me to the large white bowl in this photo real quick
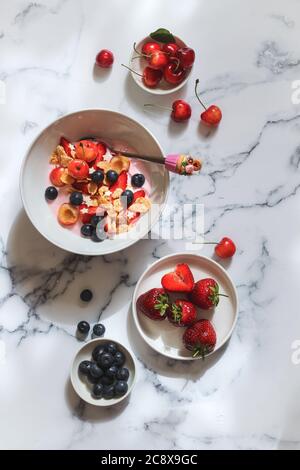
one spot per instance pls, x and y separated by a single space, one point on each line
110 126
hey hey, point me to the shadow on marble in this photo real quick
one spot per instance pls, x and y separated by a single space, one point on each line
206 131
225 263
176 128
101 74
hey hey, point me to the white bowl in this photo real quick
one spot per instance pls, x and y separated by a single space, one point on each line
83 388
138 66
166 338
34 178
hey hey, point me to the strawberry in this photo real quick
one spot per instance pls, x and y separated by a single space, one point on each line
86 213
200 338
206 294
182 313
154 303
66 145
180 280
140 193
120 183
101 150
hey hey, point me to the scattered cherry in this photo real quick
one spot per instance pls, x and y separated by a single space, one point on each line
225 248
181 110
212 115
105 58
174 74
150 76
186 55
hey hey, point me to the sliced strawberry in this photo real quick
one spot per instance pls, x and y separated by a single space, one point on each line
140 193
120 183
86 213
66 145
180 280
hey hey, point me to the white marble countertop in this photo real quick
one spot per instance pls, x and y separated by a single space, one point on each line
247 395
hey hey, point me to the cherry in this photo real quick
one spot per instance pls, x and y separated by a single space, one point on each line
225 248
180 111
212 115
150 47
186 55
104 58
158 60
174 74
170 48
150 76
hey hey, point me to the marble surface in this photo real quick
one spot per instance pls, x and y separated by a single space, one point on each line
243 397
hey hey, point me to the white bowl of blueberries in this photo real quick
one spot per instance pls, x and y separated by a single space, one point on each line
103 372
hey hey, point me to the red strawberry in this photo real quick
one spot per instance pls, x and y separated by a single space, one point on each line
182 313
180 280
86 213
200 338
66 145
140 193
101 149
120 183
206 294
154 304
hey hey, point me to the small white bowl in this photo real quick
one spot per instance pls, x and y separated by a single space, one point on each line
83 388
112 127
166 338
138 66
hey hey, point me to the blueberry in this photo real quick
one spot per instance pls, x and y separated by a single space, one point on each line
98 390
95 219
91 379
138 180
51 193
86 230
95 371
111 348
83 327
97 351
129 197
108 391
119 359
97 176
123 374
86 295
84 367
95 237
121 388
99 329
105 380
76 198
112 372
106 360
111 176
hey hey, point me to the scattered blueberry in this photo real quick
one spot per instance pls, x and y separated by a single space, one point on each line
84 367
129 197
83 327
111 348
86 230
138 180
112 372
121 388
105 380
97 176
76 198
122 374
98 329
106 360
108 391
119 359
98 390
95 371
51 193
111 176
86 295
97 351
95 219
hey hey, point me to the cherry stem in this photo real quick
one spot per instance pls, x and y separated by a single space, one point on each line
133 71
140 54
223 295
157 106
206 243
196 93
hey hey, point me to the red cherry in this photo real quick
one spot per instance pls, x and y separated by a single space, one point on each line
186 55
225 248
150 76
79 169
150 47
158 60
212 115
174 74
170 48
104 58
181 111
55 175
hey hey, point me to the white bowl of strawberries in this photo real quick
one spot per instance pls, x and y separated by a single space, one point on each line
185 306
161 62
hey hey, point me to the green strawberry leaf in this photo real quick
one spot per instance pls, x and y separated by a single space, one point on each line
162 35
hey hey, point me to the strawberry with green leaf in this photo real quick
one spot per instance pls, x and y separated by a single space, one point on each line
182 313
154 303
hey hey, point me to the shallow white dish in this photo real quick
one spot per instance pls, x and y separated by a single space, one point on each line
138 66
83 388
165 338
34 178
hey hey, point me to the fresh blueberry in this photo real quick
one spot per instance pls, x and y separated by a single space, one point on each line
106 360
119 359
95 371
51 193
97 351
98 390
112 372
76 198
99 329
121 388
111 176
84 367
97 176
129 197
91 379
111 348
86 230
122 374
83 327
108 391
95 219
105 380
138 180
86 295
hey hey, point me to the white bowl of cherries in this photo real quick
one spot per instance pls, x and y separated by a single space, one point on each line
161 62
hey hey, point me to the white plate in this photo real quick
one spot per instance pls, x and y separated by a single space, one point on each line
138 66
83 388
34 178
165 338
